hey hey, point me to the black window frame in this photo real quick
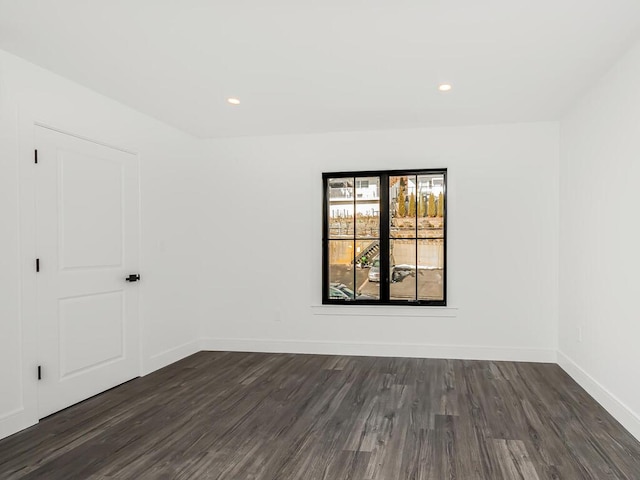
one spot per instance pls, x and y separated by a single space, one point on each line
384 233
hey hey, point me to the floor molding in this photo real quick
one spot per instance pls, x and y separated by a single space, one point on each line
169 356
612 404
15 421
462 352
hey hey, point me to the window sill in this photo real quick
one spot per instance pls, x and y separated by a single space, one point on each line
384 311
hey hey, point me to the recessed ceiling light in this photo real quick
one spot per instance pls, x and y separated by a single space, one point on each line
233 101
444 87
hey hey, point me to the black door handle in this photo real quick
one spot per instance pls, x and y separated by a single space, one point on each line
134 277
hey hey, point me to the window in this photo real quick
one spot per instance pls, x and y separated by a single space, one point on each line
384 237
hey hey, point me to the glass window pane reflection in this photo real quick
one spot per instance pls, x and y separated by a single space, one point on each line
341 270
402 261
367 207
341 199
403 206
430 269
430 210
367 271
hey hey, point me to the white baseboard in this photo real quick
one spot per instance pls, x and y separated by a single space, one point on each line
169 356
463 352
13 422
612 404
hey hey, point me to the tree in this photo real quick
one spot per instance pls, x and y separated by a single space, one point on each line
412 205
431 205
441 205
402 209
422 206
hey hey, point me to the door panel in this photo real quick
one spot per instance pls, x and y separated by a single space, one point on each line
91 211
98 320
87 242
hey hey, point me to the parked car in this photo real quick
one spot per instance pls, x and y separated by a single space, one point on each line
374 272
339 291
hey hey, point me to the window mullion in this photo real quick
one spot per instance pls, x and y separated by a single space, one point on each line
353 257
417 242
384 239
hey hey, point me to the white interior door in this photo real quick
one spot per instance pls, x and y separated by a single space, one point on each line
87 243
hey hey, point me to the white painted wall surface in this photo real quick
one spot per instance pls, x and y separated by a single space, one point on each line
599 329
262 285
170 186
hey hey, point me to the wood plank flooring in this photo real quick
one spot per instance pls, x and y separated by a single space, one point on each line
250 416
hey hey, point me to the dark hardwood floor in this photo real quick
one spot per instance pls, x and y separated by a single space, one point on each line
249 416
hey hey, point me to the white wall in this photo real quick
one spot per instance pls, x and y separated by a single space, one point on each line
599 326
263 280
170 187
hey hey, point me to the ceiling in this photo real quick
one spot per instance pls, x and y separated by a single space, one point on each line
303 66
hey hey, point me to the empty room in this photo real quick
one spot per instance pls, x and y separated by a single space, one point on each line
326 240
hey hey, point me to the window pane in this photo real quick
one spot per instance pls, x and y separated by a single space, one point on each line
366 251
430 269
341 203
341 270
430 206
402 206
368 270
368 207
402 258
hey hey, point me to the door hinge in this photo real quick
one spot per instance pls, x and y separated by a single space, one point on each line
37 265
39 372
35 156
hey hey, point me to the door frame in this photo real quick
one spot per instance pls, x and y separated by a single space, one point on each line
28 120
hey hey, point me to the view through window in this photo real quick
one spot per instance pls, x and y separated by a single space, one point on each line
384 237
